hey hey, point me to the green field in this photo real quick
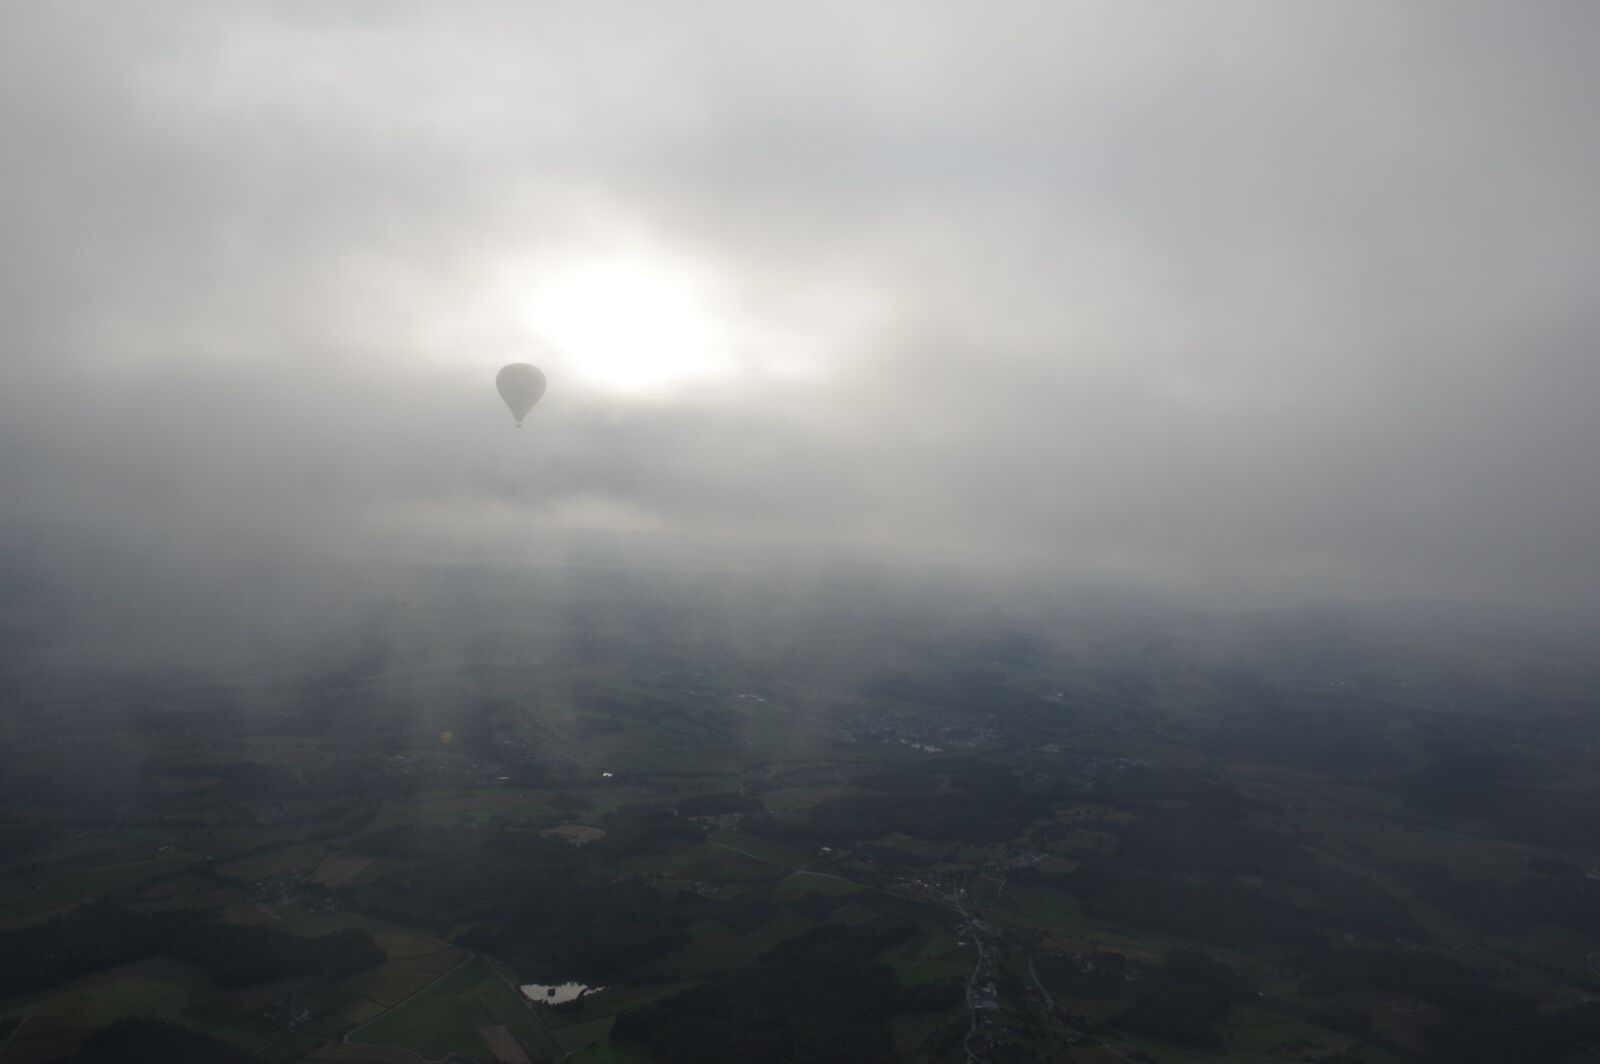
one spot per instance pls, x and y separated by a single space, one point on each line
87 872
279 862
445 1018
783 855
799 884
1259 1032
930 956
716 947
1040 906
779 929
158 987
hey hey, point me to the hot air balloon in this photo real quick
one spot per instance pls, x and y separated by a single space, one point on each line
520 386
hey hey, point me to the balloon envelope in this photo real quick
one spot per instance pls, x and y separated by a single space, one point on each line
520 386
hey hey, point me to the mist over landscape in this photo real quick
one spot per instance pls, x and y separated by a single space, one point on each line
1240 294
1056 532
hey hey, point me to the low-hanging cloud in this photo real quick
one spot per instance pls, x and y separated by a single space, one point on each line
1248 293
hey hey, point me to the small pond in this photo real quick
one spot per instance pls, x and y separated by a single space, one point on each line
557 993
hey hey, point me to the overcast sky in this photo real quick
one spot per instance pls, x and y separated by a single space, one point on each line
1246 292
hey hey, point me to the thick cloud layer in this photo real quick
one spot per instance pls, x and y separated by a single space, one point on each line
1238 293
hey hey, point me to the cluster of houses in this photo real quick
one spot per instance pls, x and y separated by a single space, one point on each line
289 1009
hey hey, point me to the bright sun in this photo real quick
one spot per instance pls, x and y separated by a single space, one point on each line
632 324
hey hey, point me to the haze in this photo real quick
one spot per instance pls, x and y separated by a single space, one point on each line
1051 531
1227 296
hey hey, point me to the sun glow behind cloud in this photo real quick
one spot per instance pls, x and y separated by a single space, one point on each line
639 321
631 323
